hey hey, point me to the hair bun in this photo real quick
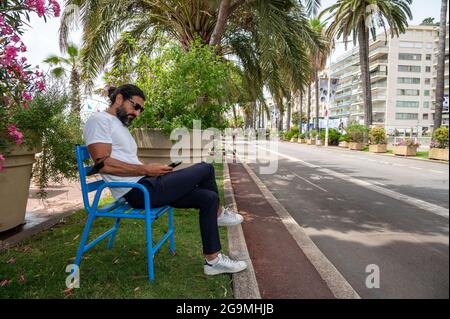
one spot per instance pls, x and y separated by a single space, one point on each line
111 91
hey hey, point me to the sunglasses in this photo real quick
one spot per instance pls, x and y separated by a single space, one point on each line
136 106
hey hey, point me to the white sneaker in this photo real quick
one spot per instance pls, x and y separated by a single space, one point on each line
224 265
229 218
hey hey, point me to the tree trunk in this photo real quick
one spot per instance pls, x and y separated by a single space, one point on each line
234 114
363 40
301 111
316 86
440 67
75 103
289 110
308 110
224 12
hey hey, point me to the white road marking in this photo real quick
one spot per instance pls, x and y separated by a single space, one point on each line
435 171
311 183
413 167
435 209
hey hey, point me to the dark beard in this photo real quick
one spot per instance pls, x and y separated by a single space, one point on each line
122 115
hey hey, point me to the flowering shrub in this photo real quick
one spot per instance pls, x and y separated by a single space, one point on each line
377 135
407 142
440 138
357 133
18 81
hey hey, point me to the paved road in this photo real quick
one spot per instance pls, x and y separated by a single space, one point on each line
362 209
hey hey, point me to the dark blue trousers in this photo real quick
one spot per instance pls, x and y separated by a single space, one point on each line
192 187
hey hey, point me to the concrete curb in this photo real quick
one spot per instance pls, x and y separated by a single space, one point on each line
245 285
44 223
338 285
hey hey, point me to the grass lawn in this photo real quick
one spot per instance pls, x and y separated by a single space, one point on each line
423 154
36 268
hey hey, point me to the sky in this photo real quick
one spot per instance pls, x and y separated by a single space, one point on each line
42 38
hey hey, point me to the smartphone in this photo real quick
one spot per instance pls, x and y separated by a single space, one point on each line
175 164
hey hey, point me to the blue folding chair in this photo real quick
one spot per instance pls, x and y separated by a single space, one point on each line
118 210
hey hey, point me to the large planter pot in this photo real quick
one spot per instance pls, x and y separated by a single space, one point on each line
311 141
301 141
438 153
356 146
154 147
343 144
378 148
15 185
404 150
294 140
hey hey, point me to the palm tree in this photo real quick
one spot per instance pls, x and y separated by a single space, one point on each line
270 38
428 21
440 66
319 59
104 23
61 65
356 18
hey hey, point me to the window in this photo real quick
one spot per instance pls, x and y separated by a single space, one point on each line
408 92
409 68
428 69
411 104
410 56
428 57
417 45
426 104
426 92
406 44
427 80
406 116
429 45
408 80
425 116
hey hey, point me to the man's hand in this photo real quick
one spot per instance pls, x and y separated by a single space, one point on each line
154 169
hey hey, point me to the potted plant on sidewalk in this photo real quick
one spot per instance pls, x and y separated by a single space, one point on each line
19 83
405 147
311 137
377 140
357 135
343 140
301 138
439 144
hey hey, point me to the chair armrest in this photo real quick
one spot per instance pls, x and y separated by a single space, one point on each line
122 185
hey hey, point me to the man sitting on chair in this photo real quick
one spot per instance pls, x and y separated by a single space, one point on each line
110 142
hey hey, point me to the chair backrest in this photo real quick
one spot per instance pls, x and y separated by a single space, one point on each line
82 156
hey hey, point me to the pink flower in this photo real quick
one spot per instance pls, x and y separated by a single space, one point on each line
1 167
26 96
2 158
15 133
10 51
40 85
40 8
15 38
56 8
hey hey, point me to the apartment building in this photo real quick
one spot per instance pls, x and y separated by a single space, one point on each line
401 70
445 116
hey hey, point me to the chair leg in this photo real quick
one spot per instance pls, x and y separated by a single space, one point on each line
84 238
171 228
150 253
116 228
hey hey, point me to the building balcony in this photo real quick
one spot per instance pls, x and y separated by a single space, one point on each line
380 51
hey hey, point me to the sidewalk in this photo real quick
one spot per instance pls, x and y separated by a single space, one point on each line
286 262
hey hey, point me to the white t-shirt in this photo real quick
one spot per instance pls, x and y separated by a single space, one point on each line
103 127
